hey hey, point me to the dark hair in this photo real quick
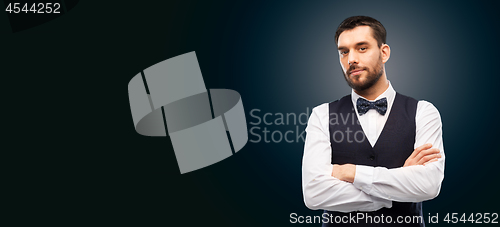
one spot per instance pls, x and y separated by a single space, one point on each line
378 29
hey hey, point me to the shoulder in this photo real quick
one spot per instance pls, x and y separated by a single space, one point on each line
320 110
406 100
318 120
325 107
426 111
426 107
339 103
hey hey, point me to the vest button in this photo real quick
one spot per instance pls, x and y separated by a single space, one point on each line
372 157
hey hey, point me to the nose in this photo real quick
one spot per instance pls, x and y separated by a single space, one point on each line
353 58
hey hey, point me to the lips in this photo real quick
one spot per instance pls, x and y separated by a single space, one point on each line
356 72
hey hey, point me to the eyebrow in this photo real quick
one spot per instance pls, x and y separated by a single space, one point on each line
357 44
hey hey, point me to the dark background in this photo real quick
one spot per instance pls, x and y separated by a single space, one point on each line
78 160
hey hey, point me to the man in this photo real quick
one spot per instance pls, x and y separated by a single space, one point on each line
375 155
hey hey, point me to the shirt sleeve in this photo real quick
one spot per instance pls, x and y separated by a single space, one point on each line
321 190
413 183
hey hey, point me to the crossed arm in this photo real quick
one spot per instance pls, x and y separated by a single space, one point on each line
363 188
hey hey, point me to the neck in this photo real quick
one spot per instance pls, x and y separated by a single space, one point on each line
377 89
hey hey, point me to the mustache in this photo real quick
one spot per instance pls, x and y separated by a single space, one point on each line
355 67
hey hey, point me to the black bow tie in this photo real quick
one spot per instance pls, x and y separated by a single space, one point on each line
364 105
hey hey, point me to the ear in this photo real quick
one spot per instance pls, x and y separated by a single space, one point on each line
385 50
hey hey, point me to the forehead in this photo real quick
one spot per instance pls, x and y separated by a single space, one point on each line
356 35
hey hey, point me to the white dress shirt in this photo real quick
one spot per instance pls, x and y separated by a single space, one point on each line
373 187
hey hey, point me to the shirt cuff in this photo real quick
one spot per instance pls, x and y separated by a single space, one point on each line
364 178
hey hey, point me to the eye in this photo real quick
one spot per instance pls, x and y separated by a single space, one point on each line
344 52
362 48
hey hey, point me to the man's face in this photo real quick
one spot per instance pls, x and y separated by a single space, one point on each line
360 57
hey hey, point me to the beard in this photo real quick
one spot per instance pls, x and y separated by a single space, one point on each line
371 78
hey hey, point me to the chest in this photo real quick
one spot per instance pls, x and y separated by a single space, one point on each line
349 142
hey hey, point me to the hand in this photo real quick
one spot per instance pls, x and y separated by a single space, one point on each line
344 172
423 155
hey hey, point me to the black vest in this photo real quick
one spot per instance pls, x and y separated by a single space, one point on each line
394 145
